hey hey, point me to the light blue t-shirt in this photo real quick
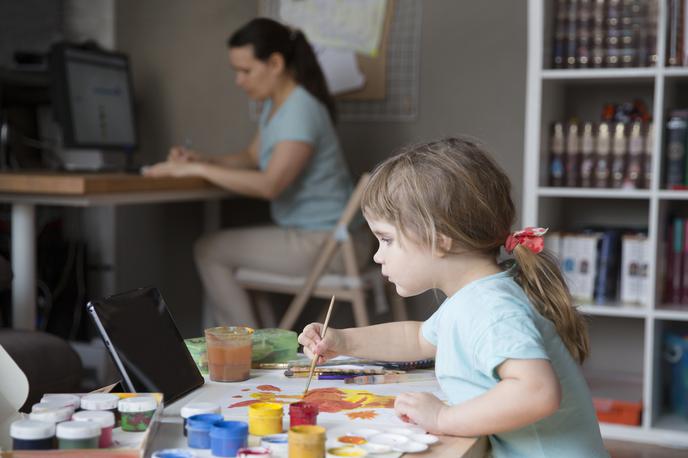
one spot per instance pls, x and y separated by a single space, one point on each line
318 196
489 321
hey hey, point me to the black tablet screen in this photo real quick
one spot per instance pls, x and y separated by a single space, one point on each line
145 344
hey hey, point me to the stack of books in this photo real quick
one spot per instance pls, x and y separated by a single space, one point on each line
603 265
675 269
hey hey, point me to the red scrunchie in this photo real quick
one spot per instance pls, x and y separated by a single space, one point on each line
530 237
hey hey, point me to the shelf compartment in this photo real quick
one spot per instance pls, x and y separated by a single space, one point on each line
617 347
576 213
563 100
617 397
670 408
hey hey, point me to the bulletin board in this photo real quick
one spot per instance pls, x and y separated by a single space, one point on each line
392 77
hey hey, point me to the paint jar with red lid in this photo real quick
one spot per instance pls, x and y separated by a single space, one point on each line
303 413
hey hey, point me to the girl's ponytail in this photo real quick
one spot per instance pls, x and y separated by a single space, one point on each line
540 277
308 73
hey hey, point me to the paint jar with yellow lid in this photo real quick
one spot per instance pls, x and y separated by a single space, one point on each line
307 441
264 418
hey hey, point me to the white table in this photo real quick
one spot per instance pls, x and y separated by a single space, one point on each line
169 433
25 191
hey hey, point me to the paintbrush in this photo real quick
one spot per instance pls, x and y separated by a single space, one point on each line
315 356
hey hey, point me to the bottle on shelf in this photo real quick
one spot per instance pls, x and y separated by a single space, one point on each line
587 148
636 145
602 153
677 126
572 155
647 156
556 165
618 155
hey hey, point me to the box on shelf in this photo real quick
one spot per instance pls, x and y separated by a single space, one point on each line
14 389
617 398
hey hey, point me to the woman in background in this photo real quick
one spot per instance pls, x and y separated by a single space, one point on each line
294 161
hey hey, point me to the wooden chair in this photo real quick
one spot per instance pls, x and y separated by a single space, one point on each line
350 286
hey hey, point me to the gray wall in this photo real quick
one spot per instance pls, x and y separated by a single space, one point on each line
473 62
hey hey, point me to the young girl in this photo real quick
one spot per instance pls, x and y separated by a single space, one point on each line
507 343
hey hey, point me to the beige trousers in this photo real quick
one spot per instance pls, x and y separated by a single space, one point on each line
274 249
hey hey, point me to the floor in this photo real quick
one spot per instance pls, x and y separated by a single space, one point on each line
618 449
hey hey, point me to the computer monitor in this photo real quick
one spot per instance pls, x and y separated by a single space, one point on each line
92 98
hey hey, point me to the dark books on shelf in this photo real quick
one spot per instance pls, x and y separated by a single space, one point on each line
605 33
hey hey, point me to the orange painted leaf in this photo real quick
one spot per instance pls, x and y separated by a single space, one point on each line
362 415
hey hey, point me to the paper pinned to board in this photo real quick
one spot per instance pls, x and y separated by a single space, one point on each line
355 25
340 68
14 389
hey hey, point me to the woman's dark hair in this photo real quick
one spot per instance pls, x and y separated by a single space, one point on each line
268 36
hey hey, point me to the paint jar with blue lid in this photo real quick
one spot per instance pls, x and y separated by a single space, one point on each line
32 435
227 437
198 429
173 453
77 434
278 444
197 408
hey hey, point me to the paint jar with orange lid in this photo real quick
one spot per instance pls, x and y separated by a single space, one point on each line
307 441
264 418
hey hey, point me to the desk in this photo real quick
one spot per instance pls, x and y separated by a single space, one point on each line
25 190
169 434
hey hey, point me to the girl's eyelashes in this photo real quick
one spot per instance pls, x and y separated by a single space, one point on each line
385 240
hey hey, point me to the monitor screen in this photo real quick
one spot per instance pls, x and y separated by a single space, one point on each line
93 98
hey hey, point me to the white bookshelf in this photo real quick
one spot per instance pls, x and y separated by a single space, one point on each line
626 339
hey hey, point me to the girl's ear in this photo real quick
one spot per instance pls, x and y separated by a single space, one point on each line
444 245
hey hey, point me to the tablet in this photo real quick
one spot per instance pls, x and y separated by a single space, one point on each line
145 344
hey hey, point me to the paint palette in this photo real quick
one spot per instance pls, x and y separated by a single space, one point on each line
384 442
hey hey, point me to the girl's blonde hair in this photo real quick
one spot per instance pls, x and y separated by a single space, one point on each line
453 188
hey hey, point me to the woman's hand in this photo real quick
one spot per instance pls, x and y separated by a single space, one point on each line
182 154
174 169
422 409
313 344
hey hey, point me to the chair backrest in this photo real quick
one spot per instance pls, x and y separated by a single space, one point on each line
354 203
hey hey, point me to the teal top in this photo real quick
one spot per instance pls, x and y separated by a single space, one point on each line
316 199
489 321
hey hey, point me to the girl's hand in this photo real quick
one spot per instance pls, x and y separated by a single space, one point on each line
182 154
422 409
173 169
313 344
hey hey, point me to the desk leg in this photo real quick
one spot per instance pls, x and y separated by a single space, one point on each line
24 266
